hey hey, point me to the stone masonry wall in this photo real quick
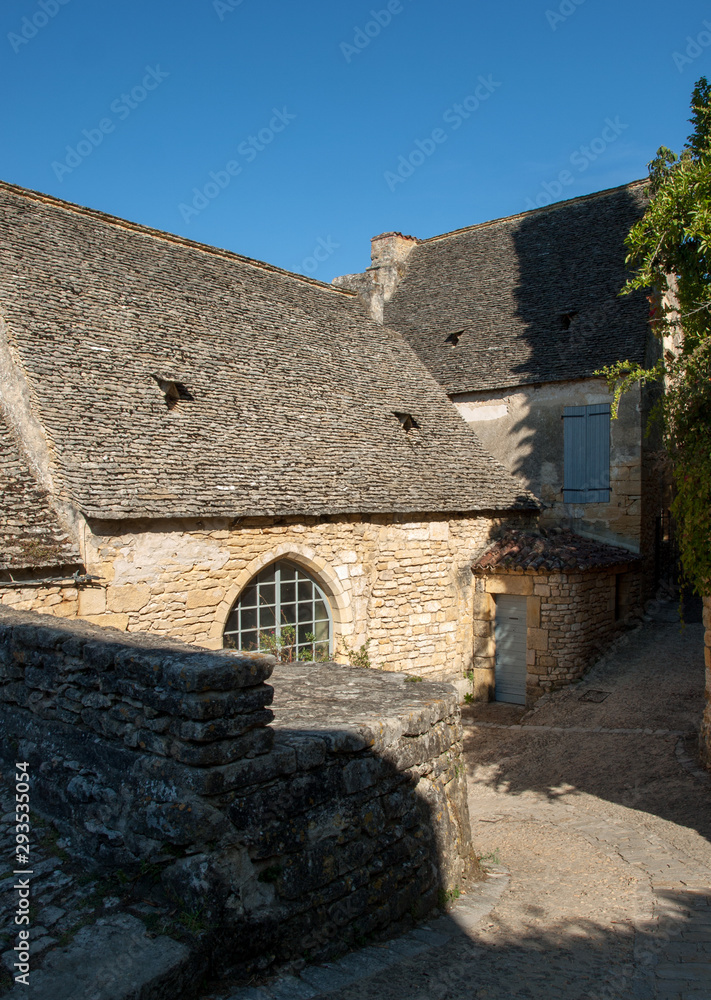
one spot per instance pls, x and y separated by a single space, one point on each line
50 599
571 619
706 723
346 817
523 429
402 584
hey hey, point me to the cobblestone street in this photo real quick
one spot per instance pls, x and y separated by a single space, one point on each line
595 823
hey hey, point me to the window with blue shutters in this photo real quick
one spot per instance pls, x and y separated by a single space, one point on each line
586 469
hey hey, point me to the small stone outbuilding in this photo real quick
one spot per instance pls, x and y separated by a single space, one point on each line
546 607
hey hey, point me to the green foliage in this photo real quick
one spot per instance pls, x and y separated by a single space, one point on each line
446 896
492 858
359 657
670 254
283 645
468 698
413 679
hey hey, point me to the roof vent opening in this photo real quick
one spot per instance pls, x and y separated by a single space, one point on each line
407 422
453 338
174 391
567 318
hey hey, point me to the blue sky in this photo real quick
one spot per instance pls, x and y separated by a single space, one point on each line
293 132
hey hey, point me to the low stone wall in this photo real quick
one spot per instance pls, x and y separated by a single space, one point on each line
51 599
346 817
572 619
706 723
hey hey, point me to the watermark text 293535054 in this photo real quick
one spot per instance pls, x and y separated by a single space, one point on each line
122 108
23 872
32 24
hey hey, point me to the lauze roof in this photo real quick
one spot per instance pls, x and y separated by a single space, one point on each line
31 534
173 379
531 298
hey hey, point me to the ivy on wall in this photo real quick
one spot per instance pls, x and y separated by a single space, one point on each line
669 253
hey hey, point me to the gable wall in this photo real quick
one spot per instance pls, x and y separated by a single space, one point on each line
523 428
404 584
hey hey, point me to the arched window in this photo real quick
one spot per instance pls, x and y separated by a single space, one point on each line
284 607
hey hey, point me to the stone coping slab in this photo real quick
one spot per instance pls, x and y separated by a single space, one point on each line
353 708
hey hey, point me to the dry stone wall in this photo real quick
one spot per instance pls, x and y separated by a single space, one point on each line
347 816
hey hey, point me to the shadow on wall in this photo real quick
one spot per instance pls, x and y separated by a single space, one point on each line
345 821
572 322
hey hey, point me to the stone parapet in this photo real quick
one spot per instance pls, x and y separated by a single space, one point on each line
153 694
351 819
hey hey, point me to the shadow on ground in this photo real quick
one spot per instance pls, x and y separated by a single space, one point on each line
651 682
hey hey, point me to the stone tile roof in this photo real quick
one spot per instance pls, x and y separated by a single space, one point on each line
555 551
531 298
31 535
174 379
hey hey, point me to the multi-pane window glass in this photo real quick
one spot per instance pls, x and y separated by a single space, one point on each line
285 605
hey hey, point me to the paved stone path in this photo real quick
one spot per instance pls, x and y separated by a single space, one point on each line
597 823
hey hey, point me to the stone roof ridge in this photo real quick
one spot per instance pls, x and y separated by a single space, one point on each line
140 229
545 209
552 550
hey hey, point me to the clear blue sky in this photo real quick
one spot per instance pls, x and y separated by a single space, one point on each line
316 105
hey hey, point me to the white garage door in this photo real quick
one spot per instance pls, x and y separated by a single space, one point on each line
510 634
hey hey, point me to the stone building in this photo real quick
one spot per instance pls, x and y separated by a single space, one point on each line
513 318
207 447
223 449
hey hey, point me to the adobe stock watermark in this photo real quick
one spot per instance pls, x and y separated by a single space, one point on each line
248 150
565 11
362 37
454 117
324 249
122 108
580 158
34 23
224 7
694 48
21 859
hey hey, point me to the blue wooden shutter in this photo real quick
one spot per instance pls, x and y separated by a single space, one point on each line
575 438
586 454
598 453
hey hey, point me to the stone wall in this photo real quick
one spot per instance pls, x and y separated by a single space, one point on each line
346 817
706 723
401 583
572 618
57 599
523 429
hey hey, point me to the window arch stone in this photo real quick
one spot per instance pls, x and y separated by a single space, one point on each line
304 558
